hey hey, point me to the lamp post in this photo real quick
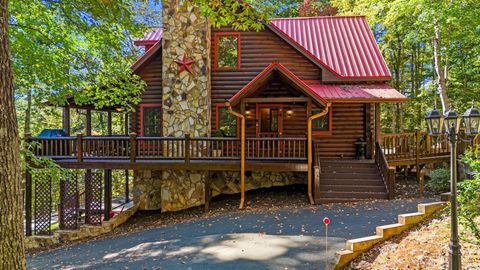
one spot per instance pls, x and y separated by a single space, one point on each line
471 119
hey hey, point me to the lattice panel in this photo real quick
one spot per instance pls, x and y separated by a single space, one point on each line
93 198
69 204
43 205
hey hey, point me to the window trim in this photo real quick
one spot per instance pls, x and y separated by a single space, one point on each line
217 117
147 105
328 132
215 46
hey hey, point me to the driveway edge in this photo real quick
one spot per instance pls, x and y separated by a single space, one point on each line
355 247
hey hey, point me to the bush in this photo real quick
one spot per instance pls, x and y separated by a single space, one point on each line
469 195
439 180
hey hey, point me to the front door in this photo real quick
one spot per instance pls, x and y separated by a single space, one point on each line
270 120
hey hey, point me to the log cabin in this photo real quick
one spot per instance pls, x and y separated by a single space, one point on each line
226 111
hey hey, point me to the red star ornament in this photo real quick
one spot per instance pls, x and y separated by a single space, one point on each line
185 64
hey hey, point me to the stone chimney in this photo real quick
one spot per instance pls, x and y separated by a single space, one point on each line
186 96
186 70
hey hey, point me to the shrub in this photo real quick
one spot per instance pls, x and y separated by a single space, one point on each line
469 195
439 180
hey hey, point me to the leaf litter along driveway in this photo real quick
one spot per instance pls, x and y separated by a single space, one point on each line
290 238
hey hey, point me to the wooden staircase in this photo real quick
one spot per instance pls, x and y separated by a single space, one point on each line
349 181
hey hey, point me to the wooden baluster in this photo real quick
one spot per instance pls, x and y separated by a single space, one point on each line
133 147
79 148
187 148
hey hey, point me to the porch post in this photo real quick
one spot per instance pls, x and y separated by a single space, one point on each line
107 203
242 154
310 148
377 125
89 122
66 120
109 123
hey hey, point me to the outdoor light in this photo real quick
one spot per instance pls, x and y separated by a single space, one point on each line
434 122
289 112
471 119
451 121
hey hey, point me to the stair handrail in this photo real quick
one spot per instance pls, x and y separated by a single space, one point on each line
388 172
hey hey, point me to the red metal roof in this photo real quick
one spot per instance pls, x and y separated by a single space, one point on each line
343 44
150 38
379 92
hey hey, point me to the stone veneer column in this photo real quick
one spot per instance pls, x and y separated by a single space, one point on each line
186 97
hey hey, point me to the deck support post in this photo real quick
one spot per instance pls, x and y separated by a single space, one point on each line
107 194
28 191
242 154
208 191
310 150
127 187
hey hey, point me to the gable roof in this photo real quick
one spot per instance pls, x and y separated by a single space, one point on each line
345 45
263 77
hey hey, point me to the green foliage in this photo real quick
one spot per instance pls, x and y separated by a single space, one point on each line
439 180
405 32
469 196
241 15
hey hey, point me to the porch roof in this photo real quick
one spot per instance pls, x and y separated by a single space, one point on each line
357 93
263 77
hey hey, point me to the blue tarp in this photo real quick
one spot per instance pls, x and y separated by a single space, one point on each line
48 133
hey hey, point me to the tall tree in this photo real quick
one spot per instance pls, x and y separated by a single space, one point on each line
12 254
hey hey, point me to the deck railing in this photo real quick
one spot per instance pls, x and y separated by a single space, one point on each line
388 172
168 148
413 145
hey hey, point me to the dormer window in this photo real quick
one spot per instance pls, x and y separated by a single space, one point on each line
227 50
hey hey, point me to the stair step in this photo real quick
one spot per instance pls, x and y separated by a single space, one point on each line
353 188
352 170
355 195
348 182
338 200
349 175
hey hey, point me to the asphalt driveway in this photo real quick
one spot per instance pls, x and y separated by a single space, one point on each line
286 239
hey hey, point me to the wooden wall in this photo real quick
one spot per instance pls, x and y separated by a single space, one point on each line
152 75
258 50
348 127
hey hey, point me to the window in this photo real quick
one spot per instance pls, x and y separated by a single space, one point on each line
227 50
151 122
322 125
226 123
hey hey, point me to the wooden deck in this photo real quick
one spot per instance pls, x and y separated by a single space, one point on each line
419 148
161 153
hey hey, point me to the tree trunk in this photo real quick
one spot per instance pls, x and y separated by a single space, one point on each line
28 112
439 69
12 255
